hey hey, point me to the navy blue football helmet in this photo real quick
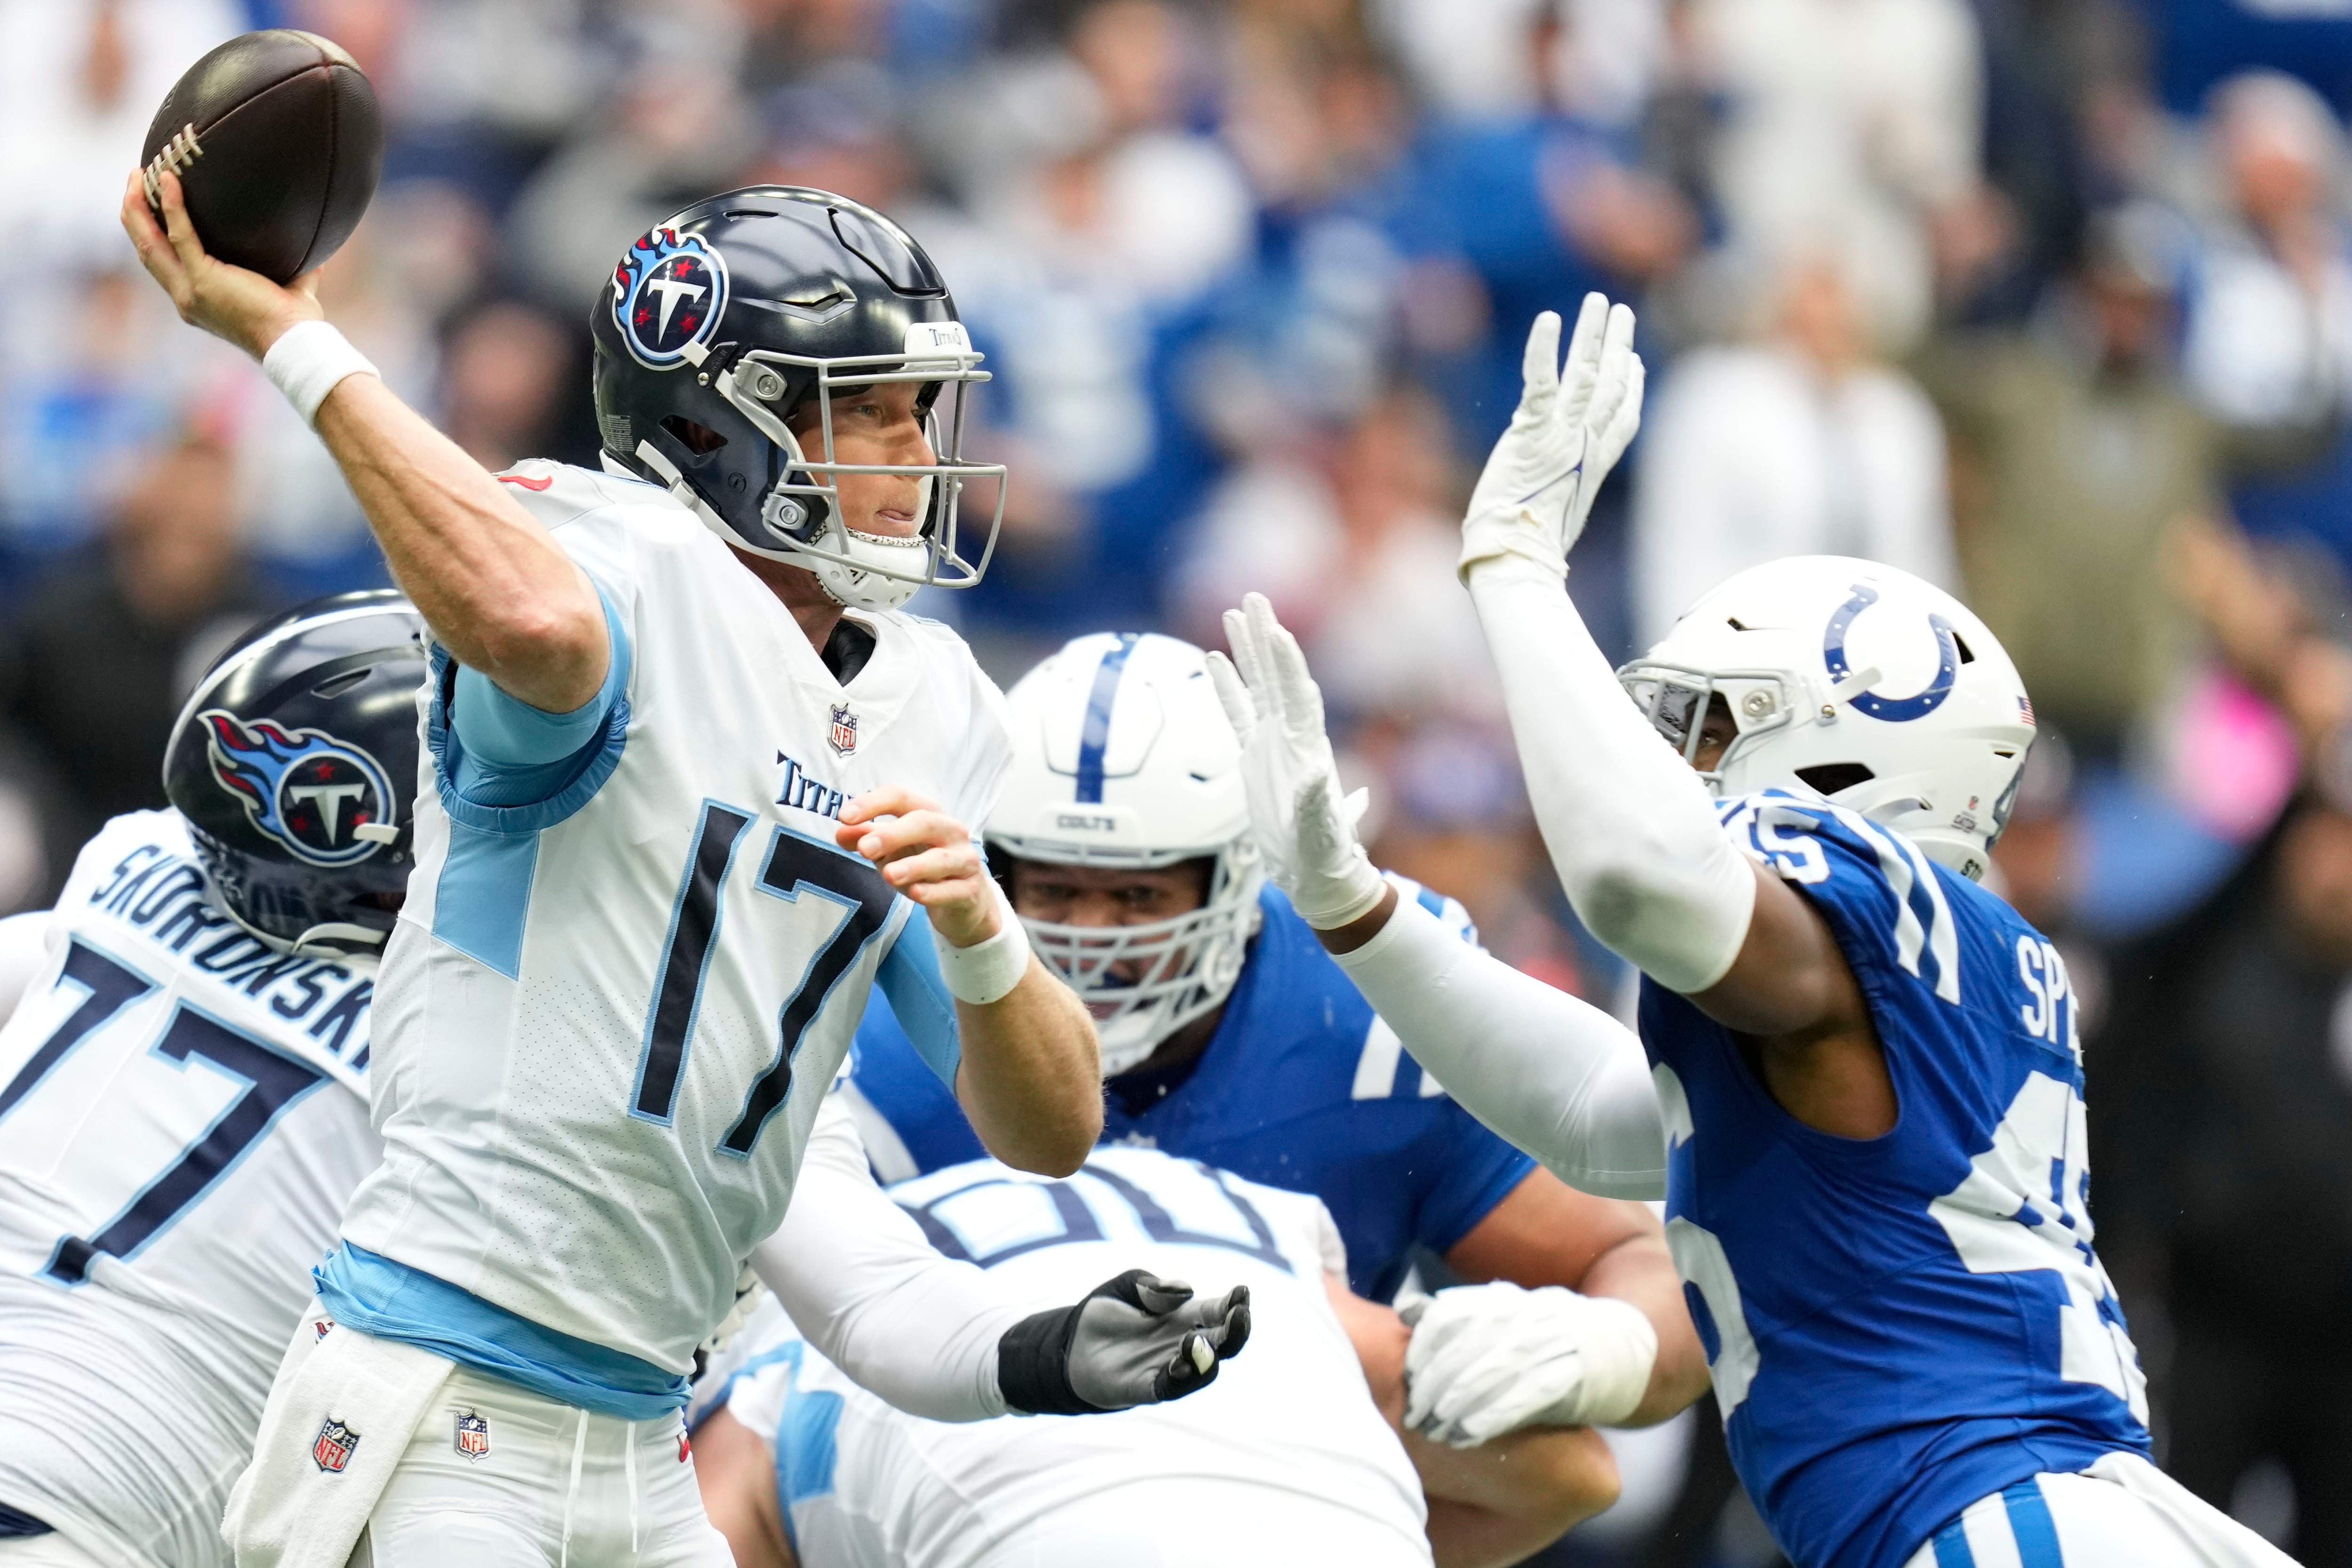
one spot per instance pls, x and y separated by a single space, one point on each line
294 762
723 323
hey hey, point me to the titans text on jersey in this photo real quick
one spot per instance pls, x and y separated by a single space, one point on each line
1897 1326
1301 1087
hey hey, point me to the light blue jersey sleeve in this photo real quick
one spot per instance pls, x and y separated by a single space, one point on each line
918 993
511 754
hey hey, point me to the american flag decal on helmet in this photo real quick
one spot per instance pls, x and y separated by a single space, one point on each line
2025 708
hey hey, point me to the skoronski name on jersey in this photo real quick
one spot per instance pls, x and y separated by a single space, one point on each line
161 896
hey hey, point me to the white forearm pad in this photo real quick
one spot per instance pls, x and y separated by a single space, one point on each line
24 954
1557 1076
1631 829
986 971
307 362
864 1287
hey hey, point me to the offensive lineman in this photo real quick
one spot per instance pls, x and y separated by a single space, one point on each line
183 1088
1293 1459
1868 1065
633 948
1122 834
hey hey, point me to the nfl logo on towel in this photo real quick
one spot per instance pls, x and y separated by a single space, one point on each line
334 1445
473 1435
845 729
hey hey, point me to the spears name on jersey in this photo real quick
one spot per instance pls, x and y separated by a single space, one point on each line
684 878
182 1113
1897 1326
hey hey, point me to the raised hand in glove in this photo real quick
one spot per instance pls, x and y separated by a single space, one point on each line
1134 1340
1305 830
1488 1358
1571 426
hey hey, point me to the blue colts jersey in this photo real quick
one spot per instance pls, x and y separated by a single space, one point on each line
1899 1325
1301 1087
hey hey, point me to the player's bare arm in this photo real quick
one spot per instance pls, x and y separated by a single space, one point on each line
1548 1233
737 1473
1028 1077
1496 1503
489 580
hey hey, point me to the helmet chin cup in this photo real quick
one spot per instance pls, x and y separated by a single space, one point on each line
869 590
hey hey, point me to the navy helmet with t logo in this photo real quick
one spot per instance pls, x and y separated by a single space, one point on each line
743 316
294 762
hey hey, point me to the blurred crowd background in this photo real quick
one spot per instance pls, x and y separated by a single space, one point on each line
2048 300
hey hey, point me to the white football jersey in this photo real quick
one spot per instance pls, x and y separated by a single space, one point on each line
183 1113
608 1019
1285 1459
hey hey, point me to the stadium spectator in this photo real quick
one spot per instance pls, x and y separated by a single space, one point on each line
1849 124
2074 451
1799 443
2269 313
2225 1068
94 667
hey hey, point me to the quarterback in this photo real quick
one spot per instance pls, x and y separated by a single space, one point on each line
1230 1037
696 785
1867 1066
1292 1459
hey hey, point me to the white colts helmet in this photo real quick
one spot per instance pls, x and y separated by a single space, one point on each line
1122 757
1855 683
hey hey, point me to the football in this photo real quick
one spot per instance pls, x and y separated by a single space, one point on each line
277 143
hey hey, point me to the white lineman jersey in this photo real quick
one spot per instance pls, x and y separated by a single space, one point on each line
1285 1459
183 1113
608 1018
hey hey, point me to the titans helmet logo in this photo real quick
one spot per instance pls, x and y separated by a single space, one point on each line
307 790
667 292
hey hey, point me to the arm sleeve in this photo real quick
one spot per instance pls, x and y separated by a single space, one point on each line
863 1286
23 951
1557 1076
1631 829
514 754
910 979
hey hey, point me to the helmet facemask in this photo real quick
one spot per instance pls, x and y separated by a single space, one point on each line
1144 983
801 519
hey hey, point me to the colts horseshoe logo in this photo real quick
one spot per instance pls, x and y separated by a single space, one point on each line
1895 709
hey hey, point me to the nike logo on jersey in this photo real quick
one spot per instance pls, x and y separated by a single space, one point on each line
528 484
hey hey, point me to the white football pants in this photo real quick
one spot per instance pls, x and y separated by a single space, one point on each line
497 1477
2122 1512
50 1551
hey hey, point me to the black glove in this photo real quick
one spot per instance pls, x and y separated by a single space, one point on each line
1135 1340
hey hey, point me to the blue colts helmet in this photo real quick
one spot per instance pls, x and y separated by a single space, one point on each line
294 762
724 324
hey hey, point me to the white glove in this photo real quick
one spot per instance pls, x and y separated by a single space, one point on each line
1488 1358
1306 831
1570 429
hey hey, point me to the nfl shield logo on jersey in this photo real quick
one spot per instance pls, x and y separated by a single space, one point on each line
845 729
334 1445
473 1435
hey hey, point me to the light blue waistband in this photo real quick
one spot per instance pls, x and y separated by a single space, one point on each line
393 1301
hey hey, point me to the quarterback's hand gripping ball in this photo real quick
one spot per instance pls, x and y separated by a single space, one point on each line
1572 424
1135 1340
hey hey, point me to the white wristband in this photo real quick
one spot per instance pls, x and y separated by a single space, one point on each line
307 362
986 971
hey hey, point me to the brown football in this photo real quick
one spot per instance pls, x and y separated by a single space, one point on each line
277 143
